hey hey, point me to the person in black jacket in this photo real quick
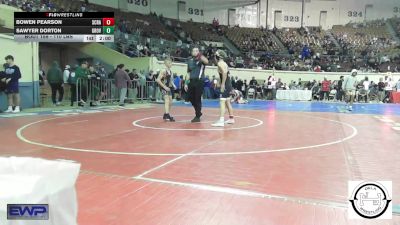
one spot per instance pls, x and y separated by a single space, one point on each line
3 81
339 90
94 84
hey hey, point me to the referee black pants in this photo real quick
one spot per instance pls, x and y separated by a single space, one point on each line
195 91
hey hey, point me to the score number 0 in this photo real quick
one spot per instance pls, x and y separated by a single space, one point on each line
108 22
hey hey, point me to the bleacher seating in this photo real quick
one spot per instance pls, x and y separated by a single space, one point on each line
192 31
361 37
315 38
396 25
248 39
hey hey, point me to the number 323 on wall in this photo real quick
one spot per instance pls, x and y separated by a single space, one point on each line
291 19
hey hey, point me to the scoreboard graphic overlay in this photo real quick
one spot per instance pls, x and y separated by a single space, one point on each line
64 26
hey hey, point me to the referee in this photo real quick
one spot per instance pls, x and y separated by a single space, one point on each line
196 67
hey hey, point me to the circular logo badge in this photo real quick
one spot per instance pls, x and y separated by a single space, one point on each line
370 200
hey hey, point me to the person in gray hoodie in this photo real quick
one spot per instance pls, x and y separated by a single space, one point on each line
121 82
349 87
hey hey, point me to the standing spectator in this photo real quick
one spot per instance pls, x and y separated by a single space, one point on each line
265 88
72 84
141 84
388 89
81 81
133 91
365 91
234 81
207 88
398 86
381 90
273 82
12 72
94 87
239 85
214 88
66 73
325 89
244 88
121 82
177 83
3 79
42 77
339 89
102 73
3 82
150 78
56 81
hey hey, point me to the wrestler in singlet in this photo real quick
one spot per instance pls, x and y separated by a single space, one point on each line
167 81
228 86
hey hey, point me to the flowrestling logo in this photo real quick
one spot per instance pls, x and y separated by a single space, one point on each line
370 200
27 211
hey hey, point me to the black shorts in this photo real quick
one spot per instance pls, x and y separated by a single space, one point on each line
169 93
227 92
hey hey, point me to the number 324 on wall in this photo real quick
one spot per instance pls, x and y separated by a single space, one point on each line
354 14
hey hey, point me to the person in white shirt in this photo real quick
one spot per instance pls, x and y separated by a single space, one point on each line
66 79
273 81
66 73
365 91
388 87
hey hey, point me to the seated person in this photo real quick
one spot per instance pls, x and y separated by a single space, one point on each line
374 93
316 89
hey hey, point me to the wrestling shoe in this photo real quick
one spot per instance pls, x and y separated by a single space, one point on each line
171 119
168 117
219 123
230 121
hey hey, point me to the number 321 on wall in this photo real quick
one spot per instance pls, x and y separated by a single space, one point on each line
197 12
139 2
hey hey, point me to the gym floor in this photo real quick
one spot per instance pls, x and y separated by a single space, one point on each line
281 163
